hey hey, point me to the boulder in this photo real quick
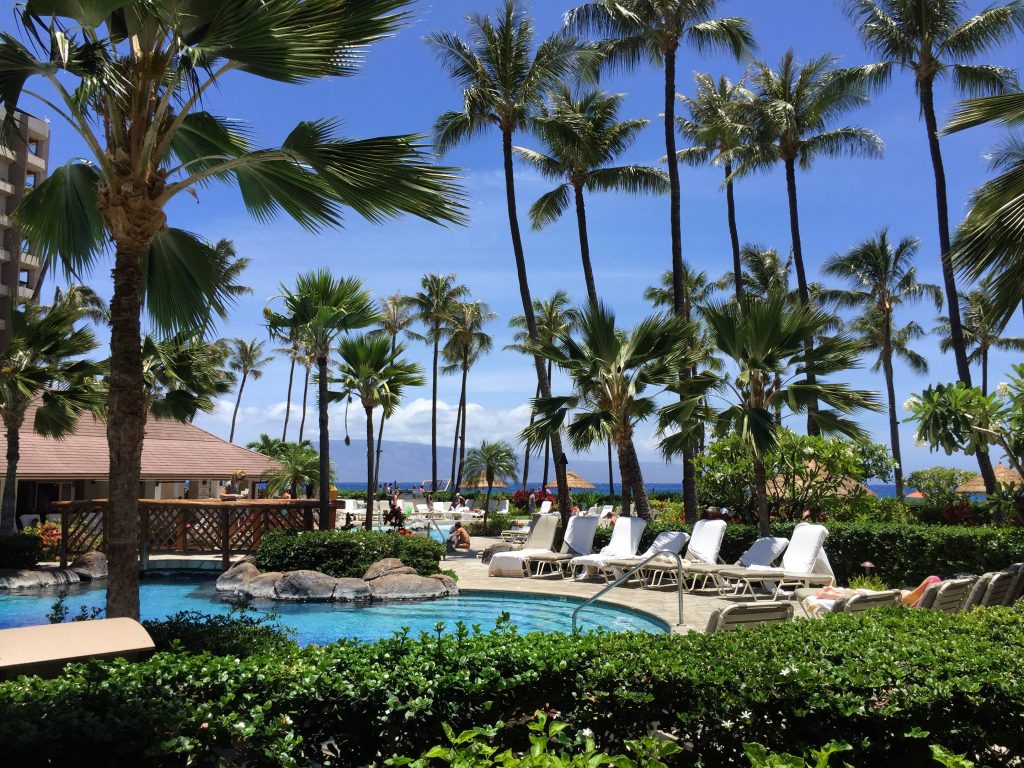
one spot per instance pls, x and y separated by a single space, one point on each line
33 577
306 585
236 576
449 583
489 552
386 567
406 586
262 587
351 591
91 565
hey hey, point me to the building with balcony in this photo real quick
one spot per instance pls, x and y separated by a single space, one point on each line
23 164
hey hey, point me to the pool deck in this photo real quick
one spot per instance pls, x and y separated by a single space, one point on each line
661 603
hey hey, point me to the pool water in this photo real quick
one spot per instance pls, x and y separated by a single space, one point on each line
323 623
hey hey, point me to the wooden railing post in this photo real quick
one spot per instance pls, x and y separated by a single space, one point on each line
225 537
64 514
144 536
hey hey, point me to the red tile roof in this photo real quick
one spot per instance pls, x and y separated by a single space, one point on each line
171 451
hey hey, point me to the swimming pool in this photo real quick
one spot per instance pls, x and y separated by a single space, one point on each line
323 623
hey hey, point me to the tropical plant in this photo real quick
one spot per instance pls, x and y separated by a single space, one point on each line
765 340
45 362
553 317
938 484
466 343
616 377
396 319
300 469
321 307
883 278
504 77
133 79
719 127
248 360
491 462
292 349
988 243
797 108
983 328
184 375
369 370
90 303
269 446
433 306
632 31
582 138
764 271
934 41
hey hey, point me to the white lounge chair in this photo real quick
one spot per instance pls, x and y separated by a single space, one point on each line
664 542
804 564
625 540
745 615
762 553
545 507
947 596
541 540
703 549
579 540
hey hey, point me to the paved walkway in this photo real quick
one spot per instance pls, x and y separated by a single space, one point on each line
662 603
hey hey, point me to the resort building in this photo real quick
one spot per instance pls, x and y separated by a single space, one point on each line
179 461
23 160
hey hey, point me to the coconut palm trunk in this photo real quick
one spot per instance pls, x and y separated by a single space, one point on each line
238 402
325 443
801 279
371 483
526 459
455 444
380 430
543 380
581 223
734 234
305 397
611 474
890 390
462 441
126 427
487 501
761 492
632 477
288 401
547 446
8 511
433 417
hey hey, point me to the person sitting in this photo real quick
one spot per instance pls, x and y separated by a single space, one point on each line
235 489
458 537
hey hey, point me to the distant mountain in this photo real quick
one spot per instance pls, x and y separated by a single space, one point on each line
410 463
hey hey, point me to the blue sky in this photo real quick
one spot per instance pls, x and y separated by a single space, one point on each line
402 90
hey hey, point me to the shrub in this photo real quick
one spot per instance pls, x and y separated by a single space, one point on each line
345 554
495 525
938 484
49 539
240 633
876 680
20 550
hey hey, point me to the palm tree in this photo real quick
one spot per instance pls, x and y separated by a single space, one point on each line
90 303
321 307
765 339
983 327
797 107
633 31
369 370
616 376
989 242
136 100
718 129
44 361
466 344
300 468
269 446
184 375
503 78
582 138
883 278
553 317
433 305
492 461
396 318
935 40
247 359
292 349
764 271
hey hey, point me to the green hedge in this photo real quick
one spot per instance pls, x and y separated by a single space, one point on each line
239 633
876 680
345 554
903 554
20 550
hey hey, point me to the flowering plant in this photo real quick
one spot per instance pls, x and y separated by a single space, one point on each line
49 538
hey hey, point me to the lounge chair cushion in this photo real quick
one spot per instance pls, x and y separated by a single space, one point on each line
625 540
706 541
541 540
579 540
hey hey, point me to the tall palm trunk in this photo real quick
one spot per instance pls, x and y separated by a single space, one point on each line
487 502
632 477
679 298
526 459
325 443
956 331
543 380
8 511
462 440
890 390
734 234
433 418
611 475
984 369
764 525
126 427
455 444
380 430
371 485
547 447
238 402
288 401
305 395
801 280
581 222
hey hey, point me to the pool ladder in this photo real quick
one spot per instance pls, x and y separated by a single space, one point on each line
625 576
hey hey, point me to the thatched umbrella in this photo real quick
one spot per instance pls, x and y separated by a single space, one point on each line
575 481
1003 475
481 482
